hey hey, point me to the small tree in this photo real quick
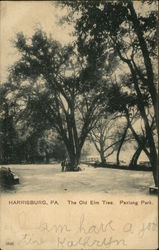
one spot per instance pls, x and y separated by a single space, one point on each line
50 146
9 140
104 137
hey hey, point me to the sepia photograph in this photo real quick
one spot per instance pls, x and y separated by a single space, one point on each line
79 124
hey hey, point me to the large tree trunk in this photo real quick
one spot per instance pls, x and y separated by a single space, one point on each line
102 158
146 57
152 155
154 164
74 158
47 158
135 157
120 145
149 135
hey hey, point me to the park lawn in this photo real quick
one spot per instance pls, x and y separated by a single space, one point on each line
40 178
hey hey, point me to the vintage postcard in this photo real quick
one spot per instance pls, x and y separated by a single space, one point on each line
78 125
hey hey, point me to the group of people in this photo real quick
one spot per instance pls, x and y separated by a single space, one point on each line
66 166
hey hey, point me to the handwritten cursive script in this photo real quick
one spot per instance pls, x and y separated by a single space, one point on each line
89 241
84 234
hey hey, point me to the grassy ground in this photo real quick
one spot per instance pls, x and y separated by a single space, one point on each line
42 178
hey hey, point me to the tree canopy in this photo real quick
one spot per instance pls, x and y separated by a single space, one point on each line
48 82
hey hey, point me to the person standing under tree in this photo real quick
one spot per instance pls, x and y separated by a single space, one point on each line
62 166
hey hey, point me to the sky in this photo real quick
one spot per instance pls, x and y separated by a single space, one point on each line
25 16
